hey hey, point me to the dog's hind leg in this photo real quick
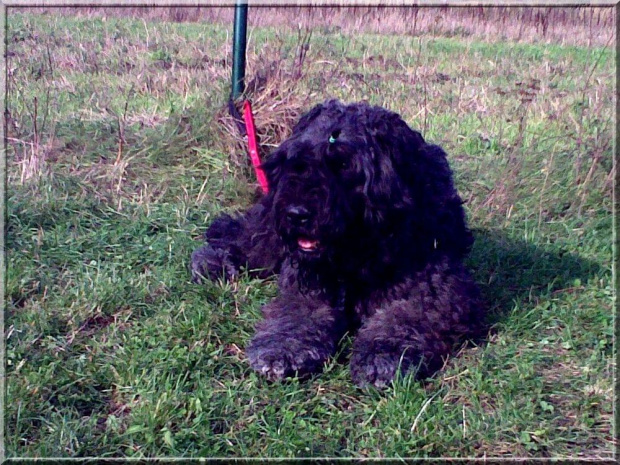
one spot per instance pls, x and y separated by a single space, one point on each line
418 329
247 241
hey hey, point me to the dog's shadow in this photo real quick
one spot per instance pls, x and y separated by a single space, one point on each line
513 272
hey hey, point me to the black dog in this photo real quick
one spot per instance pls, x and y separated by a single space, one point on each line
367 231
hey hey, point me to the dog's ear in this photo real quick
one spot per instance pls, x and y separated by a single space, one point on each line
423 180
441 216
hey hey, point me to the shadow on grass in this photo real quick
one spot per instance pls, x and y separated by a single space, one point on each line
512 272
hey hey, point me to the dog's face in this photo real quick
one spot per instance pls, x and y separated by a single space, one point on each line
313 186
329 181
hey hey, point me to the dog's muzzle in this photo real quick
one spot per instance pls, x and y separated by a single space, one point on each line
299 230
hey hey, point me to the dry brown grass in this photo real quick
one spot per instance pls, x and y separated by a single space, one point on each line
589 26
276 100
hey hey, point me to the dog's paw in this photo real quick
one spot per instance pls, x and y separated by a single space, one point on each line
198 265
279 359
209 263
376 366
373 369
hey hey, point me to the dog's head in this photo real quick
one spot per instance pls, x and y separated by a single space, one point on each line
351 173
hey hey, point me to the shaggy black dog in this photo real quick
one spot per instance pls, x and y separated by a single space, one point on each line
367 231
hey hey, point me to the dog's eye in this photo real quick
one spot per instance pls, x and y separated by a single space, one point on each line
299 166
338 162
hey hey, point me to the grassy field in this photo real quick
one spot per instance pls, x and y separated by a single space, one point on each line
573 25
119 156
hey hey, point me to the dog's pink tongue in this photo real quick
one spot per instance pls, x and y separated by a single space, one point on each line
307 244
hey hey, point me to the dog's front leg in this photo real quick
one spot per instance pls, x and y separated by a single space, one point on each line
299 333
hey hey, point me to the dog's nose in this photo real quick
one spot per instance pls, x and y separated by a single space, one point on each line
297 215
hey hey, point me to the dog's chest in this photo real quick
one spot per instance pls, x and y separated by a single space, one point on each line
363 302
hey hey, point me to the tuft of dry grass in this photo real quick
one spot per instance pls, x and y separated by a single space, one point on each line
274 93
34 150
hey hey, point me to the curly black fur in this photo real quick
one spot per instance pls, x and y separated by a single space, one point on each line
367 231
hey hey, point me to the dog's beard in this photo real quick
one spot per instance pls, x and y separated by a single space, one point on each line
315 267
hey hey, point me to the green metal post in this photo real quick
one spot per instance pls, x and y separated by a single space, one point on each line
239 44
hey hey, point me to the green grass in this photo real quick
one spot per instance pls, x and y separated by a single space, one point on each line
112 351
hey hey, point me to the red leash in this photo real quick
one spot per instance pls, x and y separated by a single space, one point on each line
253 147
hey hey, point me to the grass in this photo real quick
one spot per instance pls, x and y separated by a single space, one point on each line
117 162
